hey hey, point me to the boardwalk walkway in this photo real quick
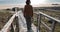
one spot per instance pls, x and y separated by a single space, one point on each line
22 23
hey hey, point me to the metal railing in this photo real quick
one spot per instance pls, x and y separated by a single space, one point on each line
54 21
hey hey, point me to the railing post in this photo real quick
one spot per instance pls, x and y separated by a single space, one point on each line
38 21
12 29
17 25
53 26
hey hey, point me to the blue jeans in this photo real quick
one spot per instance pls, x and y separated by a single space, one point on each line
28 22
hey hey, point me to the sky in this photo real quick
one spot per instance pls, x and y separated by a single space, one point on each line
32 1
13 3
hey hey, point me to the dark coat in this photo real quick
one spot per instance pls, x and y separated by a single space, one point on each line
28 10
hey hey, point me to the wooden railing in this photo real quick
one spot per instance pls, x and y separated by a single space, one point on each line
39 21
11 25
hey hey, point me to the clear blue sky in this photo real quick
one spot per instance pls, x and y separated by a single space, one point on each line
23 1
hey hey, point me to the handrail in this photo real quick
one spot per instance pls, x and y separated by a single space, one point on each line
50 17
8 24
54 21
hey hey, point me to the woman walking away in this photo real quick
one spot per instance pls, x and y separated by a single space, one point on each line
28 14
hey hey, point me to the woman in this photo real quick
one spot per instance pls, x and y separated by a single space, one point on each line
28 14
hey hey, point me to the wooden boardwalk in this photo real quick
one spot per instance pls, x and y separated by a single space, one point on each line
22 23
